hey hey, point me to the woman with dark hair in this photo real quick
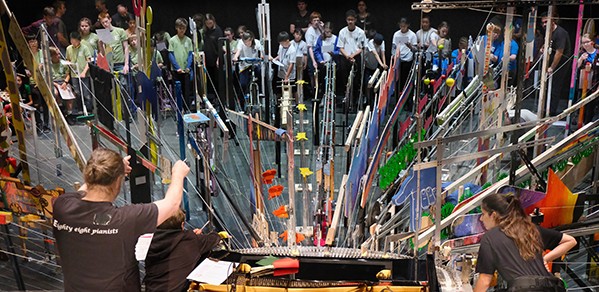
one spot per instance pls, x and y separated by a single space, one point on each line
513 246
211 34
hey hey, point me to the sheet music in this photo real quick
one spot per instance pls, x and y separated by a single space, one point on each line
66 94
142 246
212 271
105 36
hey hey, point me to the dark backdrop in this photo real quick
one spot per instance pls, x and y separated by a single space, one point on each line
235 12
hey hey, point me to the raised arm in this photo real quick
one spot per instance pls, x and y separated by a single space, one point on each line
172 199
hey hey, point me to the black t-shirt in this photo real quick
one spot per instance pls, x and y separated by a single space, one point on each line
300 21
211 48
173 254
96 242
366 23
499 253
560 40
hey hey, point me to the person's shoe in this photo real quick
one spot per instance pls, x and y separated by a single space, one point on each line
46 130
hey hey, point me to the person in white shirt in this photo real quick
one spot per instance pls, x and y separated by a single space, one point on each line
404 39
248 47
326 45
286 56
374 57
301 49
314 31
351 42
427 36
325 50
312 34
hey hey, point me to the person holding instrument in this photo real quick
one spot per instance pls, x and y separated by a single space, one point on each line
513 246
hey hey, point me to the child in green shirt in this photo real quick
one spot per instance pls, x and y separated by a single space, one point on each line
79 55
181 57
60 79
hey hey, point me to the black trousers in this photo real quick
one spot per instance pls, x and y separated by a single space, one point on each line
185 88
560 83
537 283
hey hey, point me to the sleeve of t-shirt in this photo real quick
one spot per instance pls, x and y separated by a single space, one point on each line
123 36
239 46
310 41
292 52
86 52
486 258
143 216
318 50
513 47
370 46
205 242
341 40
551 238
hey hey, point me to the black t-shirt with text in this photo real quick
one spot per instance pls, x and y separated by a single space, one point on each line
96 242
499 253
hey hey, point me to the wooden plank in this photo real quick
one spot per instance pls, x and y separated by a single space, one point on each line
338 211
115 140
17 116
354 130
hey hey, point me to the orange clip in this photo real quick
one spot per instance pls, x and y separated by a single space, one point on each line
268 176
281 212
275 191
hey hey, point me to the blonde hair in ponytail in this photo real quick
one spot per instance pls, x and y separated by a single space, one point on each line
103 168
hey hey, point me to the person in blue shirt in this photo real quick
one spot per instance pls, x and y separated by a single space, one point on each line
467 68
588 58
497 51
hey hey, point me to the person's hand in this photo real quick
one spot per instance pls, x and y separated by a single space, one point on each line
27 72
180 169
304 66
546 264
234 60
385 67
82 75
197 231
127 164
286 80
180 71
63 86
126 69
584 56
315 64
549 70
